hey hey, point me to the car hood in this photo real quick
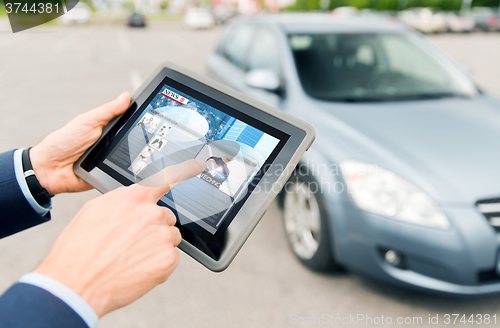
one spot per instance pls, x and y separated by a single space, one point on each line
448 147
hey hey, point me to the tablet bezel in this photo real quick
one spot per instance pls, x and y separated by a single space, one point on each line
301 136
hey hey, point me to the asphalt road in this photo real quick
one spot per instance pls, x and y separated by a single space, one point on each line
49 75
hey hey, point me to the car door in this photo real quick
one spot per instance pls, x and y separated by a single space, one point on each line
264 54
242 48
226 65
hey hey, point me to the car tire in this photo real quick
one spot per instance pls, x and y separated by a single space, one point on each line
306 223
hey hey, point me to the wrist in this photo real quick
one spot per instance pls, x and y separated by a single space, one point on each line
92 296
41 168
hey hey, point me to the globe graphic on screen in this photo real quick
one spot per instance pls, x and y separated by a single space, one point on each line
190 124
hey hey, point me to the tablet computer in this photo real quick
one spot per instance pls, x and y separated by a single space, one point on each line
250 149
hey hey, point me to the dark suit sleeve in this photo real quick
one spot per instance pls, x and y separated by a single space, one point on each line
24 305
16 214
28 306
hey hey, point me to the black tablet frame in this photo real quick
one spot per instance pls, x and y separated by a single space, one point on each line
294 135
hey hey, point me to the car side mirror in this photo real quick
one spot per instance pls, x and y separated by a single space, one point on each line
263 79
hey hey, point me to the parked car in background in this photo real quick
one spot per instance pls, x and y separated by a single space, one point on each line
377 14
199 18
402 182
485 19
425 20
135 19
223 13
345 11
80 14
459 24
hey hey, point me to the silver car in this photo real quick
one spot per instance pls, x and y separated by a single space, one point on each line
403 182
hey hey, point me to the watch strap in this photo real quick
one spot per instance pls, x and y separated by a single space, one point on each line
39 193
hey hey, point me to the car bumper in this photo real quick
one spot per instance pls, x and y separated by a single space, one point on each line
459 261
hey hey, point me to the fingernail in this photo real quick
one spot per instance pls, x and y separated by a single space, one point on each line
122 96
201 162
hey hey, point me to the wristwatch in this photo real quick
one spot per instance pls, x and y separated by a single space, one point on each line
39 193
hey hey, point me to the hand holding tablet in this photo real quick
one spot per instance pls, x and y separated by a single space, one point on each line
249 151
114 261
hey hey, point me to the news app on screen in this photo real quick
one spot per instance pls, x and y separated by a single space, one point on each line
176 127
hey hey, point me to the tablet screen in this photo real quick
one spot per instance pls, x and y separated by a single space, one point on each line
176 124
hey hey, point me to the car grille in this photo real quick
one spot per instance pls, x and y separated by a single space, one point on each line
489 276
491 210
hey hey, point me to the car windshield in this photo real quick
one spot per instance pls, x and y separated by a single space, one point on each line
375 67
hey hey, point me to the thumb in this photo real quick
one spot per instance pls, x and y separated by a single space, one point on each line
161 182
102 115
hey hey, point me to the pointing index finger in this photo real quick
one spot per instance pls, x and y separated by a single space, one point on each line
161 182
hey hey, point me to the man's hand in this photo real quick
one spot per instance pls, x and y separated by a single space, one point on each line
120 245
53 158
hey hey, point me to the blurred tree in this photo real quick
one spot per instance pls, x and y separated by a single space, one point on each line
486 3
164 5
375 4
386 4
303 5
443 4
340 3
315 5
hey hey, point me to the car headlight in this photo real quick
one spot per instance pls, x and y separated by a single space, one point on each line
381 191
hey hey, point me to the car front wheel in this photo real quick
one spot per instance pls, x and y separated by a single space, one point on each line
306 225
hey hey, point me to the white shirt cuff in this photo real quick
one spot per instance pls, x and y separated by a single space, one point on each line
18 169
65 294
